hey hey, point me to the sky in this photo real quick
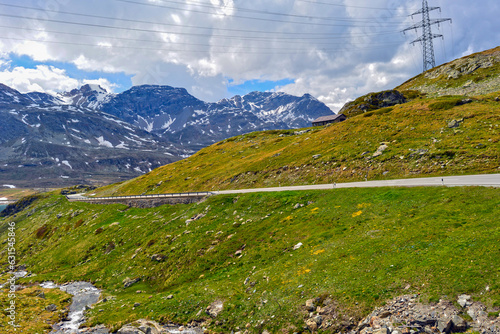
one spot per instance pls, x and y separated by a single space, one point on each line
335 50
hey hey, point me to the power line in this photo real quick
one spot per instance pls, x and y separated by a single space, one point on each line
161 41
249 10
233 16
158 23
179 32
304 51
343 5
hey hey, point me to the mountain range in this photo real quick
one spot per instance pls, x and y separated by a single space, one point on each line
91 135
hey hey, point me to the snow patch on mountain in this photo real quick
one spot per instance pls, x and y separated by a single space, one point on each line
103 142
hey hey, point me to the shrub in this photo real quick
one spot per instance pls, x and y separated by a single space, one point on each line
42 231
444 105
19 206
383 111
79 223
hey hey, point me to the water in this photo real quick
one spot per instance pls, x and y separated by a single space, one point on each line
84 295
2 206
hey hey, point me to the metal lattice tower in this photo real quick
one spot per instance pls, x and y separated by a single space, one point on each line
427 35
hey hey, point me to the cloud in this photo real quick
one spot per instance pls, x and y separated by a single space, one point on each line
43 78
333 52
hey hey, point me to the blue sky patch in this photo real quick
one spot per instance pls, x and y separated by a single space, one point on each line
122 80
255 85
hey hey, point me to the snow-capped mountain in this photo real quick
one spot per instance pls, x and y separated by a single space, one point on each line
53 145
183 119
89 96
89 131
255 111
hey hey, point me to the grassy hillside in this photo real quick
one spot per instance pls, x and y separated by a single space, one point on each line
424 137
263 255
472 75
359 248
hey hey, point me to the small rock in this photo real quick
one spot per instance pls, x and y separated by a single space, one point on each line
158 257
380 331
137 304
128 282
129 330
51 307
459 324
311 325
453 124
41 295
215 308
297 246
464 300
444 326
310 305
375 322
170 296
316 156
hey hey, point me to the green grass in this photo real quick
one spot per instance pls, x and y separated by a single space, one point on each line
360 248
419 143
444 82
31 315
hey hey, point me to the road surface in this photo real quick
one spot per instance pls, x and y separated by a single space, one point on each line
485 180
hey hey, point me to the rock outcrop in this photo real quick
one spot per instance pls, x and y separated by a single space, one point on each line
406 314
373 101
472 75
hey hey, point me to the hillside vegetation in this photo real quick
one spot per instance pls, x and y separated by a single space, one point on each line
433 133
472 75
424 137
359 248
250 262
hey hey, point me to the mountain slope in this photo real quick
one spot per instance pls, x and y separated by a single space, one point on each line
183 119
290 262
472 75
421 137
274 261
46 145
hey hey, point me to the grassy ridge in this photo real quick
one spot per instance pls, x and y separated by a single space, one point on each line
360 247
417 134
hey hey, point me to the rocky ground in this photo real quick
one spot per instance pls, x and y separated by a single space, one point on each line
406 314
442 80
401 315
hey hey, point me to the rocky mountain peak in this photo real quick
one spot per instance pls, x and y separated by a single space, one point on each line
9 96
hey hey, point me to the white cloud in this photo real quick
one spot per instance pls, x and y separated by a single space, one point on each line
43 78
329 58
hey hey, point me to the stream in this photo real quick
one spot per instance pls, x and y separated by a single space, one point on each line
84 295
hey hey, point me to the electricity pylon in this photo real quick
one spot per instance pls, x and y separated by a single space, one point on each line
427 35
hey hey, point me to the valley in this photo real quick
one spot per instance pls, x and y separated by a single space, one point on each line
378 260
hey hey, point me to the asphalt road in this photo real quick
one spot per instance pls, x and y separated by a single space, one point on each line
485 180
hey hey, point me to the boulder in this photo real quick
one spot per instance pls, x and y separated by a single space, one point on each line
459 324
464 300
128 282
51 307
310 305
215 308
129 330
